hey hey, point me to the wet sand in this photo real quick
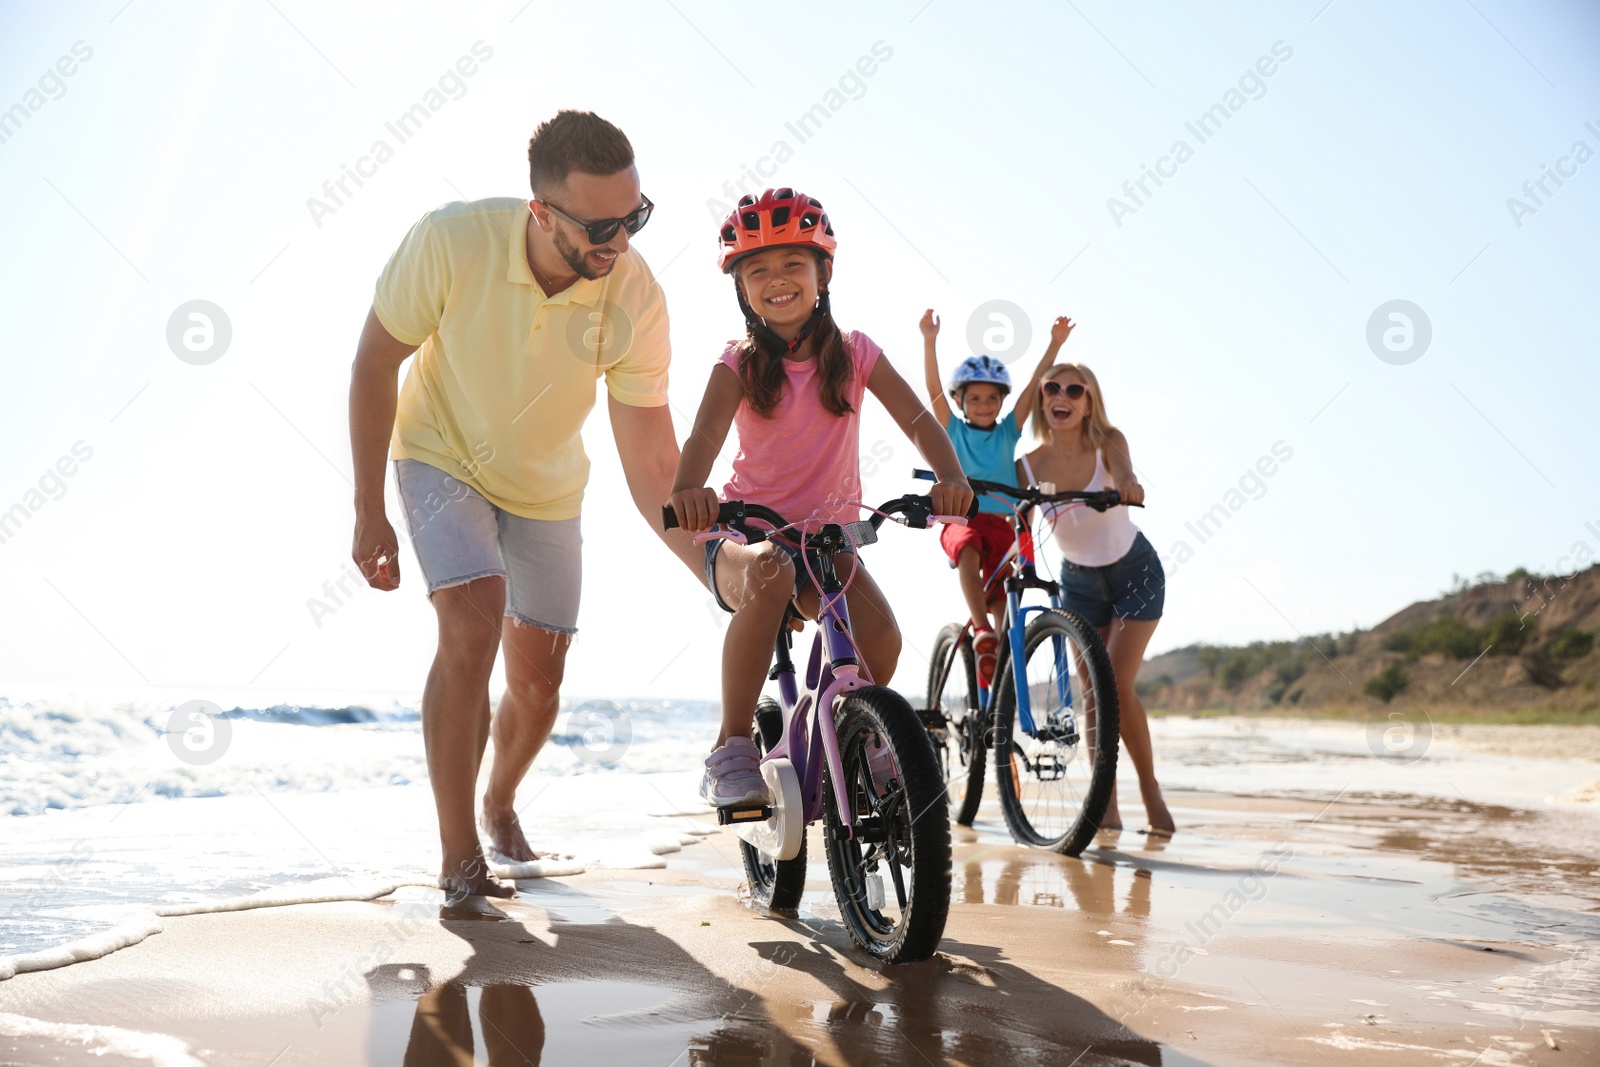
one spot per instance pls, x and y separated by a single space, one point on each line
1274 929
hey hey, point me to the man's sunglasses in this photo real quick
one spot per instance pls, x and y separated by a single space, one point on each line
1074 390
602 230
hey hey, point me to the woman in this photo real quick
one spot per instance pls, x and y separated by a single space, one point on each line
1111 575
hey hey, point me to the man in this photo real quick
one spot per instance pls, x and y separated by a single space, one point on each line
515 309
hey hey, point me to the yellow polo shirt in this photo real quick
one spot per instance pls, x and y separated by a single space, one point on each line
506 375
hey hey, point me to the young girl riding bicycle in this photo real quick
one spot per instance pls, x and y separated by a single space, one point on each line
793 387
986 445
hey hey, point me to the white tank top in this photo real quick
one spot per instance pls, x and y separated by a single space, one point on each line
1085 536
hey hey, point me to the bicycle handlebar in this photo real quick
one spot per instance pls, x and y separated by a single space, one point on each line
916 509
1101 501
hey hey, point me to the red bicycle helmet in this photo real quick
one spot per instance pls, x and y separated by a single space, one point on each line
776 218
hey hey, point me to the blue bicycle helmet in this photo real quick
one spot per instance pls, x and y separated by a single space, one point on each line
985 369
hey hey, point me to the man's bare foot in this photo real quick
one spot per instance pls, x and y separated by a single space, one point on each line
505 833
471 879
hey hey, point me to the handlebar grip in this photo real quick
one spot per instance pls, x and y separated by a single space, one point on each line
927 476
669 518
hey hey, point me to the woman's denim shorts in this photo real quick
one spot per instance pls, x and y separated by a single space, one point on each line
1134 587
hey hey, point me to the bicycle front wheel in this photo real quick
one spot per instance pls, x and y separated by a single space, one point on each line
955 723
891 875
1055 781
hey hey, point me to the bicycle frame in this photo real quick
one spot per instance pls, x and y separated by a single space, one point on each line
810 737
1019 574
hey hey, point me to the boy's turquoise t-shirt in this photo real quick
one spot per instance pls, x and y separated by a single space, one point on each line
987 454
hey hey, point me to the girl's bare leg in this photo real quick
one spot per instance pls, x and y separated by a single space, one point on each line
757 582
871 620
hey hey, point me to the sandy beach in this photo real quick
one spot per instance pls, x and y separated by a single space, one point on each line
1357 923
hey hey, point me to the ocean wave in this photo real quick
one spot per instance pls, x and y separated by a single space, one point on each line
62 753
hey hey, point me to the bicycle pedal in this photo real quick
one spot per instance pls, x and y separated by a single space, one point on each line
729 816
932 719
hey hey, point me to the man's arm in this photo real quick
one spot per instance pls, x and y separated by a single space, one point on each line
930 368
1060 330
373 398
649 453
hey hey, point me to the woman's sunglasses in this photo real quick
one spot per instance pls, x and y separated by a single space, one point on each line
1074 390
602 230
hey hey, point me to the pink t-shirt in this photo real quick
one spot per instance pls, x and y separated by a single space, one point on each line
804 461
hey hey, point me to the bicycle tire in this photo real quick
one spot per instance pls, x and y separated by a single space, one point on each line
962 752
1026 768
908 816
775 885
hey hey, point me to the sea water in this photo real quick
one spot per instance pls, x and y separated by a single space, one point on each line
109 821
109 818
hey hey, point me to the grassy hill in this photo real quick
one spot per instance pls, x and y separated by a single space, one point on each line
1522 648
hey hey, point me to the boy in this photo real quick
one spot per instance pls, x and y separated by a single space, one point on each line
986 445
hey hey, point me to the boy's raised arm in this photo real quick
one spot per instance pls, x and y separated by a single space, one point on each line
1059 332
930 368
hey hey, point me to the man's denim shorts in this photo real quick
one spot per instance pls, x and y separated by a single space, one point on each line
1134 587
459 536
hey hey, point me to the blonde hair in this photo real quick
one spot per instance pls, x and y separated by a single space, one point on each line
1096 427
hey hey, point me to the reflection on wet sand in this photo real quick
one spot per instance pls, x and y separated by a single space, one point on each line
1044 879
793 1001
508 1015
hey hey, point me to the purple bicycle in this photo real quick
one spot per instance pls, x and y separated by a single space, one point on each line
848 752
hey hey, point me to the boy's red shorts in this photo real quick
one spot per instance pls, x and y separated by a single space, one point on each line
989 533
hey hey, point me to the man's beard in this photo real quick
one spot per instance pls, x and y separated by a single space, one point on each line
577 261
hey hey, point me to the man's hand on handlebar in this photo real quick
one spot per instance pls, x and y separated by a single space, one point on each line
696 508
951 497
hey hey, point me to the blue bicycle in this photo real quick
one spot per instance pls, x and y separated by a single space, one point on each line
1052 721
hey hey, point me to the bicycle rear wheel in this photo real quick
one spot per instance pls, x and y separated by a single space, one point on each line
892 876
774 884
1054 783
955 723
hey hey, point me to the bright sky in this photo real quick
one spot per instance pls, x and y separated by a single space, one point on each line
1225 310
